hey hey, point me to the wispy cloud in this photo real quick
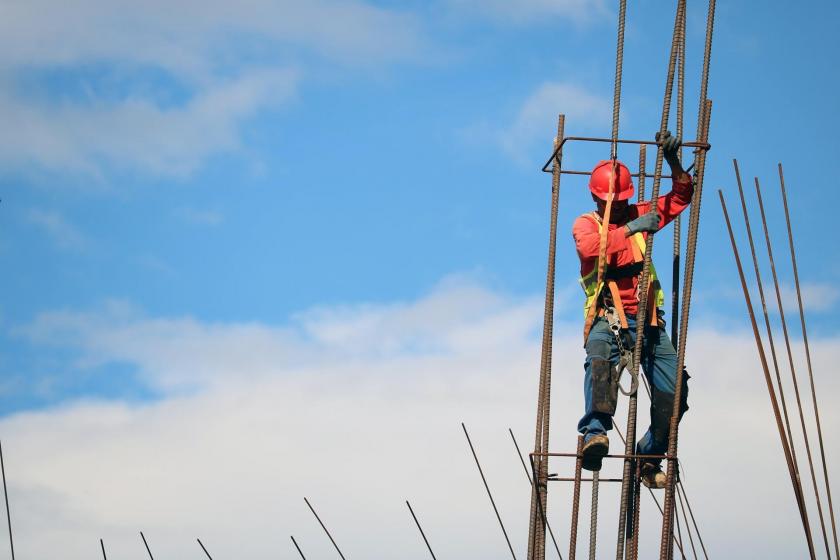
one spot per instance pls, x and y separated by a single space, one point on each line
530 11
202 217
161 86
534 123
359 408
64 234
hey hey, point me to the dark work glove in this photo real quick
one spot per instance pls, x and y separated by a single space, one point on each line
646 222
670 147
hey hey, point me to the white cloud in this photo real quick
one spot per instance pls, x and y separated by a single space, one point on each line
529 11
62 232
537 117
227 63
359 408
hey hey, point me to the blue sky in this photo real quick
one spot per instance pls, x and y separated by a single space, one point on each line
183 174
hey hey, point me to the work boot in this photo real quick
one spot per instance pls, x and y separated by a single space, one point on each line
594 450
652 476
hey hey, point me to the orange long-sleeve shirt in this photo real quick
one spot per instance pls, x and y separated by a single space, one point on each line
619 252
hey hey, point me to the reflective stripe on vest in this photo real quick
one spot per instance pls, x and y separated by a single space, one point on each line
592 288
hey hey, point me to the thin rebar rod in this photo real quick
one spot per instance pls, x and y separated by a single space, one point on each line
102 545
792 373
681 488
644 283
324 527
675 260
6 497
766 369
760 284
633 552
703 120
201 544
642 171
531 482
422 534
576 500
142 536
539 493
653 497
687 527
666 549
808 360
679 532
294 542
593 515
489 494
619 64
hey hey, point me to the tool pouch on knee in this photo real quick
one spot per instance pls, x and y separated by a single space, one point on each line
604 386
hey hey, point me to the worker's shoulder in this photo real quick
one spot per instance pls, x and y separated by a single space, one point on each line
589 220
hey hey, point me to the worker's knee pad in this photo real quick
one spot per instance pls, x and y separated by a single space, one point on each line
662 409
604 386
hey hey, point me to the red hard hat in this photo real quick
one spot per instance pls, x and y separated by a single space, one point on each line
599 181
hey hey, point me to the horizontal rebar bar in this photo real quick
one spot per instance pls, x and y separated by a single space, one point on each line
694 144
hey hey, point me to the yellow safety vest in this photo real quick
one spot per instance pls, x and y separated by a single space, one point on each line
592 288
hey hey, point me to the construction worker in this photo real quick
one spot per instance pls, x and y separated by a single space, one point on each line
614 303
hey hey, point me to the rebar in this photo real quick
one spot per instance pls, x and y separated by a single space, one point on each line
763 358
644 282
675 259
201 544
142 536
593 516
792 373
536 530
489 494
666 548
687 528
531 482
6 497
102 545
324 527
422 534
681 488
576 500
294 542
808 360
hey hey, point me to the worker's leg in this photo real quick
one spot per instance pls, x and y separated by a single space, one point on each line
599 383
659 362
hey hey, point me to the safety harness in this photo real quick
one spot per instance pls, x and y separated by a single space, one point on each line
610 305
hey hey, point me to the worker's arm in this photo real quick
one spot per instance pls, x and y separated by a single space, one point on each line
588 239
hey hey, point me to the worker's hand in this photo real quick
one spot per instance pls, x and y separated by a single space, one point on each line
670 147
646 222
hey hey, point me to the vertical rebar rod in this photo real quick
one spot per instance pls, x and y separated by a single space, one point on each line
642 171
142 536
531 482
539 493
294 542
6 497
792 374
102 545
644 283
633 552
675 261
324 527
422 534
666 550
593 516
760 284
619 64
201 544
681 488
679 532
808 360
576 500
489 494
766 369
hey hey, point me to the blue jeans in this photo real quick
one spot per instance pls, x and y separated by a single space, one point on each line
659 363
